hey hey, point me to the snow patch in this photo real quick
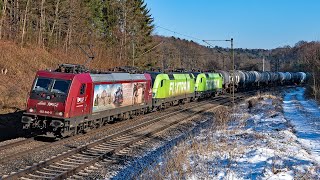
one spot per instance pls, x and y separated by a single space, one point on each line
262 142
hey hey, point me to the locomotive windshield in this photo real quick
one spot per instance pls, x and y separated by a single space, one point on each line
60 86
42 84
51 85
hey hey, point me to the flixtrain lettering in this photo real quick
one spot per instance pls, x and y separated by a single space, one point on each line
178 88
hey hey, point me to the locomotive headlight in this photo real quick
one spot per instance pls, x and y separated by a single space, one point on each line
59 113
31 110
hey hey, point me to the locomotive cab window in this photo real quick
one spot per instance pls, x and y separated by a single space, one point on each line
171 77
83 89
60 86
42 84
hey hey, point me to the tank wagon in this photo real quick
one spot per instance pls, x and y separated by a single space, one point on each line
245 80
72 100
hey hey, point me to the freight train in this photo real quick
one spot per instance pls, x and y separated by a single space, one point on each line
72 100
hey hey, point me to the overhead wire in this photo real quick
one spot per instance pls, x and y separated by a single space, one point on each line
175 32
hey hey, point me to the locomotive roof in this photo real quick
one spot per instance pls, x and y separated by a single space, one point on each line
116 77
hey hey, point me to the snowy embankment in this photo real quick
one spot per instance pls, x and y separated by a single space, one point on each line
305 116
274 139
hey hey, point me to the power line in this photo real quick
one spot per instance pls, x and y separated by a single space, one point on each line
175 32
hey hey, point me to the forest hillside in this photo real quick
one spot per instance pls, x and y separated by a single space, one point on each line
41 34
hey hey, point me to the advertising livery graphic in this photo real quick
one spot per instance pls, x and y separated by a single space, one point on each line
178 88
110 96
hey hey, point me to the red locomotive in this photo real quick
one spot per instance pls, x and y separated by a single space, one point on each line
71 100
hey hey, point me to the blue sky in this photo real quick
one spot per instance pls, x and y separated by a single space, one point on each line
252 23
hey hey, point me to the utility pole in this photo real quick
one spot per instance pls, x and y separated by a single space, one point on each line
133 51
233 65
223 66
263 64
232 51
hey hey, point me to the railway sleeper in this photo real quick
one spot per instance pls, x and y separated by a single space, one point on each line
112 145
24 178
84 155
124 151
123 136
113 142
87 153
81 158
48 174
65 165
104 148
53 170
98 149
71 162
59 168
77 177
39 176
92 153
77 160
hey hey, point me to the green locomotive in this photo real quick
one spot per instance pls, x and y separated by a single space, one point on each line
208 84
172 88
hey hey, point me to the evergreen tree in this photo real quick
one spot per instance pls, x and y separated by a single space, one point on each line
122 27
128 26
139 29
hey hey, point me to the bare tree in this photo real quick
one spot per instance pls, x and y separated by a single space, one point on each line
24 22
41 24
3 17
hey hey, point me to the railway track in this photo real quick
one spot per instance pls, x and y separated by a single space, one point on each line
14 149
70 162
64 172
112 128
9 156
15 144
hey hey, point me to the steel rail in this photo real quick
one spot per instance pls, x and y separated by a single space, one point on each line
83 148
16 143
114 128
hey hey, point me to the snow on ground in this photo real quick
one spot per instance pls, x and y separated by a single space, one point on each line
273 140
305 116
